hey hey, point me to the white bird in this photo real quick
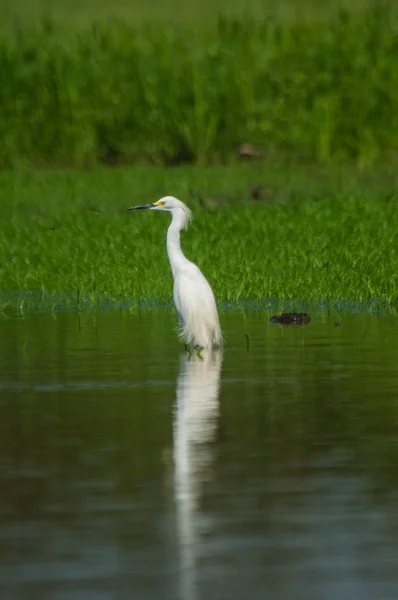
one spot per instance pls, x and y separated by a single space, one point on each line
193 296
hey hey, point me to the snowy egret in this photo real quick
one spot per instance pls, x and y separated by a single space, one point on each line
193 296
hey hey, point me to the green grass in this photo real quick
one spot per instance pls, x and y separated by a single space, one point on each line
74 14
116 93
68 233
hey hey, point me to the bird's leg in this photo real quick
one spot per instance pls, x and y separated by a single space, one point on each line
190 348
198 352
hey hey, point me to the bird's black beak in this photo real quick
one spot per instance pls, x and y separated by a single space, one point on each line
141 207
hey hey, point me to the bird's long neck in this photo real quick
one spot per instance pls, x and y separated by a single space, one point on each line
174 252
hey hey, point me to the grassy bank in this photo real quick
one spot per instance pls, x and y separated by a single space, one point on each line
115 93
68 233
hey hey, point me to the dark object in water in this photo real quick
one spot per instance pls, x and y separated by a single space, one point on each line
247 341
291 318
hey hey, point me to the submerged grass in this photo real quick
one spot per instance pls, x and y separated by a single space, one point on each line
323 91
68 233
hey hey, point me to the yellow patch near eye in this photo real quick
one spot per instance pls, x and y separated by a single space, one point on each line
160 203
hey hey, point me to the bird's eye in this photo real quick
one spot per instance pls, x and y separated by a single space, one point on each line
160 203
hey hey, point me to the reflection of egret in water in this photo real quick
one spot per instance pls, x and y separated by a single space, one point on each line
195 424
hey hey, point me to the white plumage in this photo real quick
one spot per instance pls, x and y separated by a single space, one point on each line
193 296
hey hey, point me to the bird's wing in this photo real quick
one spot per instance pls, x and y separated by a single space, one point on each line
196 306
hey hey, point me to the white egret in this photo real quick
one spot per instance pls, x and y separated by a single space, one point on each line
193 296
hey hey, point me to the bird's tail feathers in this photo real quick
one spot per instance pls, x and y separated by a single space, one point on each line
204 332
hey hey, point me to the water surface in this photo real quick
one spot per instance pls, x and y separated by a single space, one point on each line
128 470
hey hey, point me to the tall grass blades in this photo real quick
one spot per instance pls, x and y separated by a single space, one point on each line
69 233
324 92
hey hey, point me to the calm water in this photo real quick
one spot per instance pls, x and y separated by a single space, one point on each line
128 471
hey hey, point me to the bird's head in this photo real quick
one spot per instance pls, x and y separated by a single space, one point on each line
169 204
